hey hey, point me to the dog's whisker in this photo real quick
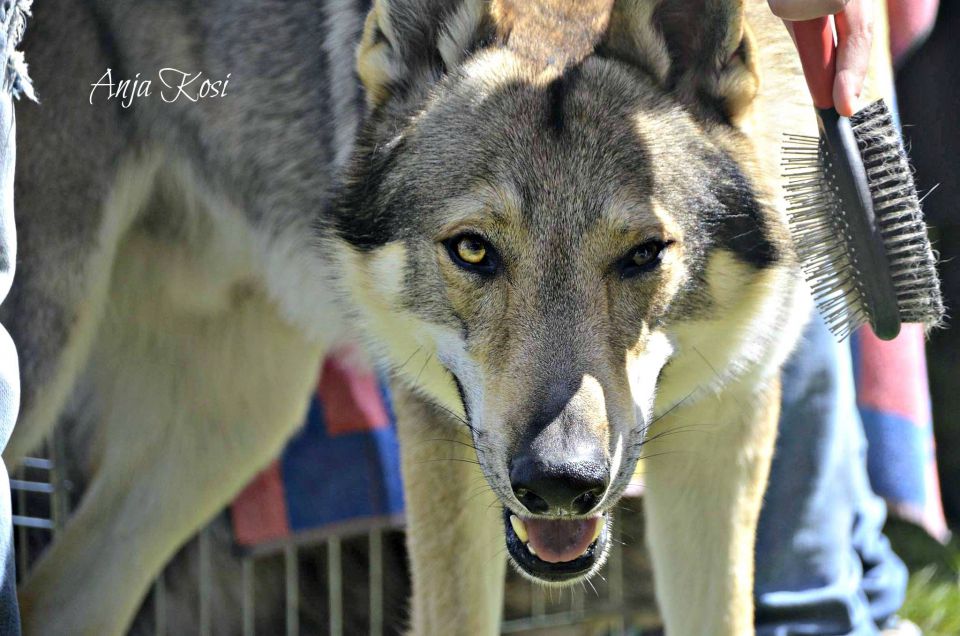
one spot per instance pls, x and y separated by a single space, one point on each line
400 367
449 459
423 368
670 452
593 586
697 428
452 441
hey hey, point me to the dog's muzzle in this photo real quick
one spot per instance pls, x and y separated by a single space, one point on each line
556 550
558 534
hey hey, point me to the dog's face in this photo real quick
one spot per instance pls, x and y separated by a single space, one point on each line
529 243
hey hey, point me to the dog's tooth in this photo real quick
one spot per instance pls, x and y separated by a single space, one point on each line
531 550
518 527
596 533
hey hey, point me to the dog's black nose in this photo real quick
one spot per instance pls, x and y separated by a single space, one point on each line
575 486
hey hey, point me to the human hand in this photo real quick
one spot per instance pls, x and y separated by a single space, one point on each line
854 24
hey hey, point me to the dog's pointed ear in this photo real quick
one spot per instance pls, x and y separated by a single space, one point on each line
700 50
406 42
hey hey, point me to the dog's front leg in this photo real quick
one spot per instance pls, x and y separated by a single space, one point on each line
454 533
705 480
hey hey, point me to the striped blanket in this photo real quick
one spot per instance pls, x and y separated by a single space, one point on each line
341 472
894 403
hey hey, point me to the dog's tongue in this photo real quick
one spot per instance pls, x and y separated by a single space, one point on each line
557 541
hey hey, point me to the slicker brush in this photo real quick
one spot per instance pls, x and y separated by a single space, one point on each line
853 209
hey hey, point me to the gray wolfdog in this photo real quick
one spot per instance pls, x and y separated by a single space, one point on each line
558 222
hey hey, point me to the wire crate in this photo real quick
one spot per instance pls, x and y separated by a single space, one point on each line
363 591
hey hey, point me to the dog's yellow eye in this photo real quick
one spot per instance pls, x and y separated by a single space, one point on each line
473 253
471 250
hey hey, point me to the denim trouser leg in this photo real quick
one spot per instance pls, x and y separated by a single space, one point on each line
9 367
9 611
13 80
9 371
823 566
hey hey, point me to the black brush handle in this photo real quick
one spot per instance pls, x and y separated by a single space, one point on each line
848 176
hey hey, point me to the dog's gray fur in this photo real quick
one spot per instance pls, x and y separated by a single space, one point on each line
187 264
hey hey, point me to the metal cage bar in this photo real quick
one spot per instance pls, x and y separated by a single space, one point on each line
376 582
205 580
292 587
160 605
247 598
608 607
335 586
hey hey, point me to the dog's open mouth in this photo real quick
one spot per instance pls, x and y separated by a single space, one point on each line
556 550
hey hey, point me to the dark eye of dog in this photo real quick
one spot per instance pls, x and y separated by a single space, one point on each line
642 258
473 254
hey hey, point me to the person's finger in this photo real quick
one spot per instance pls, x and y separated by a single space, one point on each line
805 9
854 39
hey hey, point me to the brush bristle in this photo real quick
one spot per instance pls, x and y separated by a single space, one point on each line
821 235
817 227
897 208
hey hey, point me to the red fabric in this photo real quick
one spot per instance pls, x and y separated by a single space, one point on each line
351 398
893 375
910 21
259 512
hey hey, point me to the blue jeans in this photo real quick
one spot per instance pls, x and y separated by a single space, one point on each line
9 369
13 81
823 564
